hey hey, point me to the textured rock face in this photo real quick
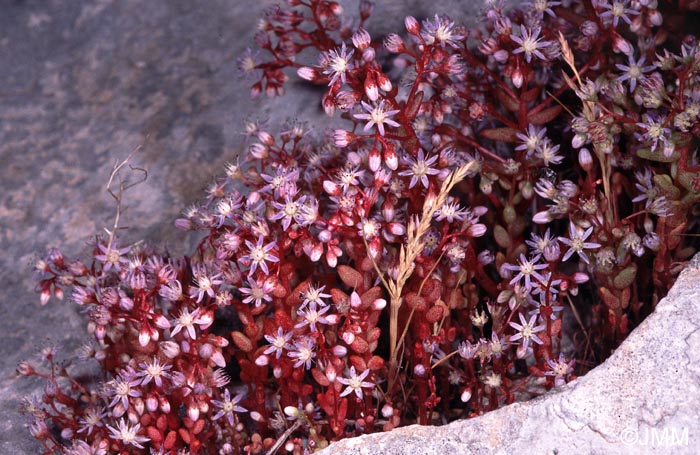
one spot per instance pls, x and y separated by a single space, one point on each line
644 399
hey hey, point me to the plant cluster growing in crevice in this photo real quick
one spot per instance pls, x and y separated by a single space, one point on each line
502 206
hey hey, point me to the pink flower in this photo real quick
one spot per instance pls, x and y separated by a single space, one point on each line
355 382
527 331
577 243
187 321
227 406
112 256
377 115
259 255
419 169
127 434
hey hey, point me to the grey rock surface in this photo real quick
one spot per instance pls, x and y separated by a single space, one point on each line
84 83
645 399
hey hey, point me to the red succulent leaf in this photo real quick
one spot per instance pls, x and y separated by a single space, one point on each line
375 363
358 362
359 345
351 277
320 377
241 341
170 440
545 115
503 134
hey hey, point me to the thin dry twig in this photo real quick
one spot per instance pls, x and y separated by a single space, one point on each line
282 439
122 186
580 322
416 229
589 113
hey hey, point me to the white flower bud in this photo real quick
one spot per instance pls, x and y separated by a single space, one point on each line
501 56
393 43
348 337
336 9
45 296
384 82
331 374
387 411
361 39
331 188
585 159
578 140
371 89
139 405
315 252
621 45
307 73
517 78
144 336
292 411
379 304
397 228
655 18
477 230
151 403
218 359
542 217
125 303
342 138
266 138
100 332
258 151
161 321
262 360
486 257
419 370
580 277
118 410
412 25
391 159
164 406
339 351
375 160
193 413
169 348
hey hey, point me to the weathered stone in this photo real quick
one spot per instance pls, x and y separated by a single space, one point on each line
645 399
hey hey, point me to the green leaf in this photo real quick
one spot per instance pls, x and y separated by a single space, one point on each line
666 185
657 155
502 237
626 277
690 181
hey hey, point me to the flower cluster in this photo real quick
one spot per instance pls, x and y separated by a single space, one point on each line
416 265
